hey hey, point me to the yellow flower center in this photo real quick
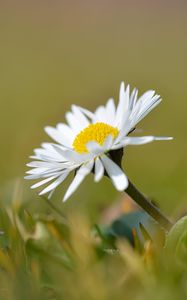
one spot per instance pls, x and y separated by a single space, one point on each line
97 132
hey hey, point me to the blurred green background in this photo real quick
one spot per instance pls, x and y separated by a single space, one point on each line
55 53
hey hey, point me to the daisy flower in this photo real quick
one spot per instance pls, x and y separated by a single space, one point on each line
85 143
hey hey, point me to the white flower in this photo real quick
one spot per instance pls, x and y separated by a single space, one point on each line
84 144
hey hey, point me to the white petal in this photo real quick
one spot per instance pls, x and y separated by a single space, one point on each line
124 129
121 101
80 116
47 155
111 111
39 176
66 130
163 138
73 122
47 146
155 101
117 176
108 142
95 148
146 96
123 106
99 170
73 156
37 171
44 174
79 177
137 111
133 99
36 164
139 141
145 104
44 167
58 136
101 114
53 185
88 113
34 186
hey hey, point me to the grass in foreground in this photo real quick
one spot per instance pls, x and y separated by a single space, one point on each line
46 256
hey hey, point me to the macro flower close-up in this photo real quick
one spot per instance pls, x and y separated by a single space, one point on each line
93 198
86 142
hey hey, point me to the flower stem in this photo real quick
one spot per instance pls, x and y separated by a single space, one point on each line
150 208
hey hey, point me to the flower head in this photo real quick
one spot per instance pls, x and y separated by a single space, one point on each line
84 144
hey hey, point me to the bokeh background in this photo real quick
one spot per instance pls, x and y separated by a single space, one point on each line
55 53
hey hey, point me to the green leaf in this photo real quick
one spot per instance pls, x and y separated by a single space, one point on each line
176 241
175 233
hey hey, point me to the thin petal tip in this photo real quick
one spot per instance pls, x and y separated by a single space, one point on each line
65 198
164 138
124 186
32 187
47 129
122 84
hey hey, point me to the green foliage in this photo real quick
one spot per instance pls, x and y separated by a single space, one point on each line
42 256
176 242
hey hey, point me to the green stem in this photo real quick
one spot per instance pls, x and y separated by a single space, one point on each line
151 209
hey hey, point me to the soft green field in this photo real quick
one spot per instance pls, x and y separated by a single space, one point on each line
56 53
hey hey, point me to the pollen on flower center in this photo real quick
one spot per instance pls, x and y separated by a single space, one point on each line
97 132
